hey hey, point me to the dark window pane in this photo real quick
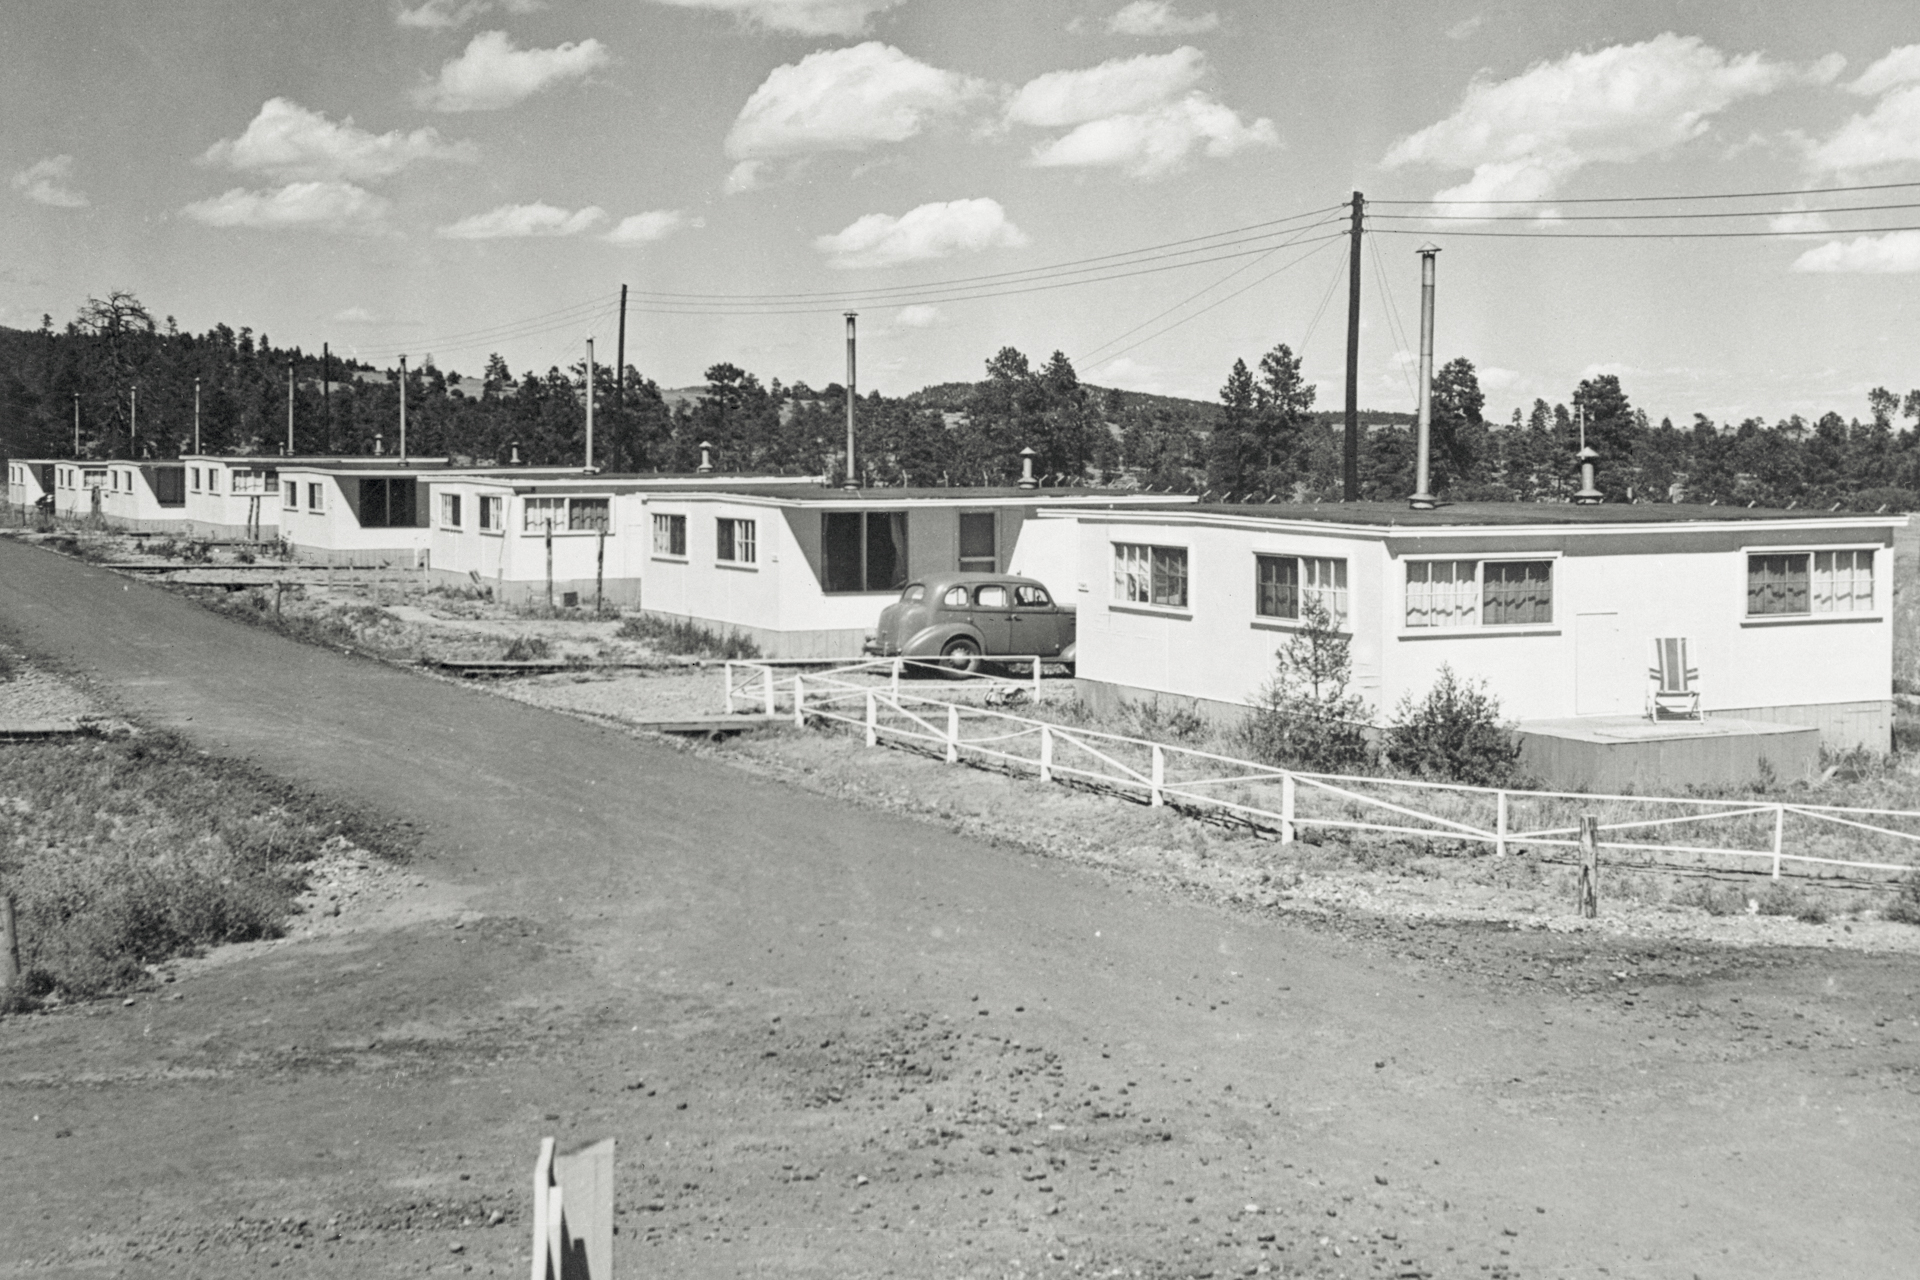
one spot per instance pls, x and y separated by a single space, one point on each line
977 551
1777 584
587 515
886 550
1516 592
723 540
1276 586
840 537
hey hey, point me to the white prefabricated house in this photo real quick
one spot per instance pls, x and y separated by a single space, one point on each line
29 480
1787 616
522 534
234 497
79 488
805 574
358 511
145 497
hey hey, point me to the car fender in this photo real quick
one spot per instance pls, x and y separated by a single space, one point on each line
928 642
1069 655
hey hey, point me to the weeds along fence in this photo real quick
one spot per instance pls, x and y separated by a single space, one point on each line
766 684
1830 846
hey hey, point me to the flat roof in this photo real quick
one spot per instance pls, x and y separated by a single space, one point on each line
1485 514
883 496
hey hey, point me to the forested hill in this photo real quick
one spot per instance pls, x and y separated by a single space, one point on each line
132 380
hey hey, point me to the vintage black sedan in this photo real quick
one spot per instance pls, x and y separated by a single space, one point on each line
962 618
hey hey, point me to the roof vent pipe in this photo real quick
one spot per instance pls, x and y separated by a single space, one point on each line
706 458
1027 455
1422 499
1589 494
513 451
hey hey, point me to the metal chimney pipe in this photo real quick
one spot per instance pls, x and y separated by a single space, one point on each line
403 410
1422 500
1027 455
852 480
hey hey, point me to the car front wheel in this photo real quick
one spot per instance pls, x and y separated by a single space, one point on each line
962 654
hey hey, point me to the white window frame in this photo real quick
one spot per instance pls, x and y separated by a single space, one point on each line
1133 570
1338 597
554 509
665 523
1881 555
291 491
491 510
744 539
1477 624
450 511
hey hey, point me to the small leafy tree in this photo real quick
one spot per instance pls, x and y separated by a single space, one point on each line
1454 734
1306 717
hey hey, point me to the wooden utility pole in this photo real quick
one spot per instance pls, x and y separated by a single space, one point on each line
1350 467
620 356
1589 865
76 424
852 480
133 418
196 415
589 405
326 391
289 406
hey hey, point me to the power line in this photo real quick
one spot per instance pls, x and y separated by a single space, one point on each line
1208 288
1320 245
1333 282
1392 310
1640 217
1151 249
1645 235
1724 195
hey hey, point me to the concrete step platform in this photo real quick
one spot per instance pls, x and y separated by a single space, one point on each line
1664 757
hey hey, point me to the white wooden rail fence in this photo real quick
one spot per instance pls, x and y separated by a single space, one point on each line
1838 844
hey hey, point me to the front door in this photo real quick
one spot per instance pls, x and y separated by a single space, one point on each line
993 615
1603 678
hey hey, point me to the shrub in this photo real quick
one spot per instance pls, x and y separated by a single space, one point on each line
1158 723
528 649
683 636
1905 907
1305 717
1454 734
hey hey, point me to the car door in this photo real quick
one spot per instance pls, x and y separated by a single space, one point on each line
993 615
1036 622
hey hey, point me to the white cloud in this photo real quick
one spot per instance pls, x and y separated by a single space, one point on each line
843 100
1493 378
1524 136
645 228
1887 135
318 206
519 221
294 144
1466 27
807 17
918 316
444 15
1061 99
355 315
1896 253
1150 144
935 230
1142 115
1900 66
1158 18
45 182
492 74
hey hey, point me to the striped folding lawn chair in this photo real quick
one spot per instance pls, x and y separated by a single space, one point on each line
1674 689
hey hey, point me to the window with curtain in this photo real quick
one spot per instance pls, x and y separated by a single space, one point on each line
1516 592
734 541
1777 584
669 535
1442 593
863 550
1145 574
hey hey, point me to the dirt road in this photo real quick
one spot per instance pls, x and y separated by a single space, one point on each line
834 1042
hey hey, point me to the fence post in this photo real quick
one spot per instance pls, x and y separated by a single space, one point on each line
1036 678
1154 798
726 673
873 721
1286 807
9 949
1046 753
953 733
1500 827
1779 836
766 687
1589 865
896 677
799 703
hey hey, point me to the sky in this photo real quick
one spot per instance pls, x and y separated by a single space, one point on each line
1153 187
